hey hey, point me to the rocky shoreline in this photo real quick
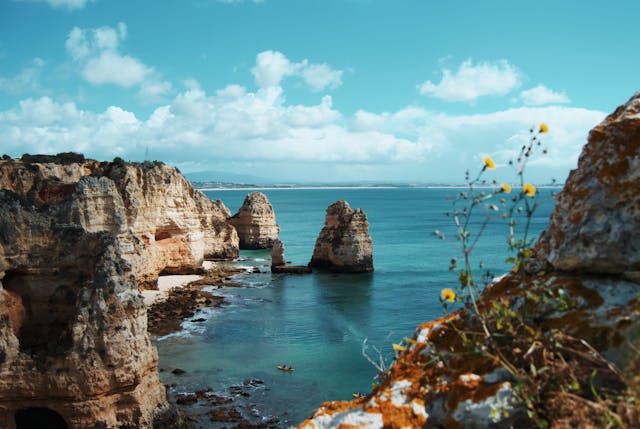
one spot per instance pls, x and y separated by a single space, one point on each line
166 315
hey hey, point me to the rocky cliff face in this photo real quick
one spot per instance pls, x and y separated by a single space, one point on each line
582 321
256 222
73 327
76 238
344 244
161 223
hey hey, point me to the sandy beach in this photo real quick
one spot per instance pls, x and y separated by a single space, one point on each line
165 284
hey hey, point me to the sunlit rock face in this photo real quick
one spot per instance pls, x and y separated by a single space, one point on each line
589 257
256 222
344 244
596 223
162 224
73 326
77 239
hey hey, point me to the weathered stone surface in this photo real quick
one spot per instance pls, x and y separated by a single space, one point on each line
161 223
594 230
256 222
76 238
279 265
344 244
595 226
73 327
277 254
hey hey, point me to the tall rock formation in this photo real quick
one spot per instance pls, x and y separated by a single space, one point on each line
344 244
76 238
583 321
161 223
256 222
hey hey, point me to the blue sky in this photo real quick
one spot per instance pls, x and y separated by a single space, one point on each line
301 90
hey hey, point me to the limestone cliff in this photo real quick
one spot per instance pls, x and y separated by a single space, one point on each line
161 223
256 222
573 311
74 347
344 243
77 237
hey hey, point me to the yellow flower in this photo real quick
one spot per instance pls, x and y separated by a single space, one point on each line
447 295
488 163
506 188
529 189
399 348
543 128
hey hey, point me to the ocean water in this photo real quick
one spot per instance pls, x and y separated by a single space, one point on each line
317 323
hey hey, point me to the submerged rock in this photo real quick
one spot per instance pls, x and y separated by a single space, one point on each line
583 327
344 244
256 222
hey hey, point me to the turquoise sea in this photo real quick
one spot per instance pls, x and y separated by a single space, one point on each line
317 323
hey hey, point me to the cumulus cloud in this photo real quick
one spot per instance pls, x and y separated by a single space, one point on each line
273 66
97 51
541 95
470 81
233 125
110 67
69 5
27 80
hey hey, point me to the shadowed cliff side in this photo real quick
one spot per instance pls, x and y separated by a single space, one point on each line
574 305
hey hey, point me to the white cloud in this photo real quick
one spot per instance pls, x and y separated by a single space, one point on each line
27 80
232 125
96 50
471 81
542 95
273 66
69 5
155 90
321 76
119 70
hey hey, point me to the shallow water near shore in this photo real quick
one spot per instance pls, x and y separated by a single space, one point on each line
317 323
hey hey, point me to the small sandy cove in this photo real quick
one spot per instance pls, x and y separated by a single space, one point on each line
165 284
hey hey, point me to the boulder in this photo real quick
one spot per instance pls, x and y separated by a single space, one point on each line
256 222
344 244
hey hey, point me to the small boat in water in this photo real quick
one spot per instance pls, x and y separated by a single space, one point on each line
358 395
286 368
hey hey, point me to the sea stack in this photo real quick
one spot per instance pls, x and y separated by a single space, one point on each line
256 222
278 262
344 244
74 346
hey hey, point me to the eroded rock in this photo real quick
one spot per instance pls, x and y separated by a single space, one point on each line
256 222
344 243
161 223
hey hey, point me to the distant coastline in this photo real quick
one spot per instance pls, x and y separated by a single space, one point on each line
217 186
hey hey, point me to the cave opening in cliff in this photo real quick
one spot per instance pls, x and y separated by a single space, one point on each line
48 305
38 418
